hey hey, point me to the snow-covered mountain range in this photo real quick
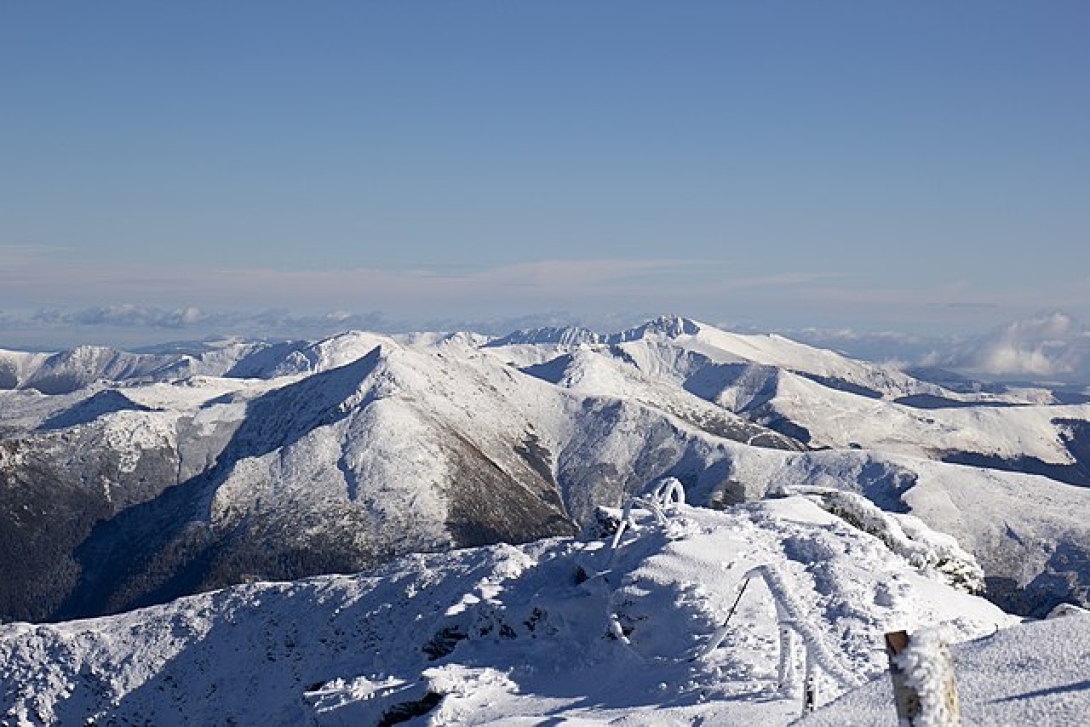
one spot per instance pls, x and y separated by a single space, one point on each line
851 496
130 479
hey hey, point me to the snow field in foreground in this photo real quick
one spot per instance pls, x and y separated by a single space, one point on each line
1033 674
504 635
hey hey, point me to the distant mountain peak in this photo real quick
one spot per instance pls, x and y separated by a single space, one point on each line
556 335
665 326
668 326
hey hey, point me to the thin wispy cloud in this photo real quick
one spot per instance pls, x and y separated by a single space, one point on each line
13 255
30 275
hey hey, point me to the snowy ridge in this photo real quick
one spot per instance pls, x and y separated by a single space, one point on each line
68 371
498 634
817 396
567 337
15 367
905 535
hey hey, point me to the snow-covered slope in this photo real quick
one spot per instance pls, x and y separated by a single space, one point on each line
681 347
820 397
15 367
1030 533
560 631
68 371
1033 674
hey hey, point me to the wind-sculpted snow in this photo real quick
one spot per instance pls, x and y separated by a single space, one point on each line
499 635
905 535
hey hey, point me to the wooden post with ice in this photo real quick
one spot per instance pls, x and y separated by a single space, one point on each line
921 668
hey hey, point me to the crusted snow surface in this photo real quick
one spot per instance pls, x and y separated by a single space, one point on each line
905 535
558 631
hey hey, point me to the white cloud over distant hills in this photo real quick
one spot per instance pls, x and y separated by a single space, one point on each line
1054 346
1050 345
885 346
1046 347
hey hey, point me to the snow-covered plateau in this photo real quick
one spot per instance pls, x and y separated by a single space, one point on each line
453 502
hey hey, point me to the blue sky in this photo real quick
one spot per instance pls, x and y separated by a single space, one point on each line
917 166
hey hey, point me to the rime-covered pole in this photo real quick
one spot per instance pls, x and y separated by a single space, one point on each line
922 671
810 688
786 673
